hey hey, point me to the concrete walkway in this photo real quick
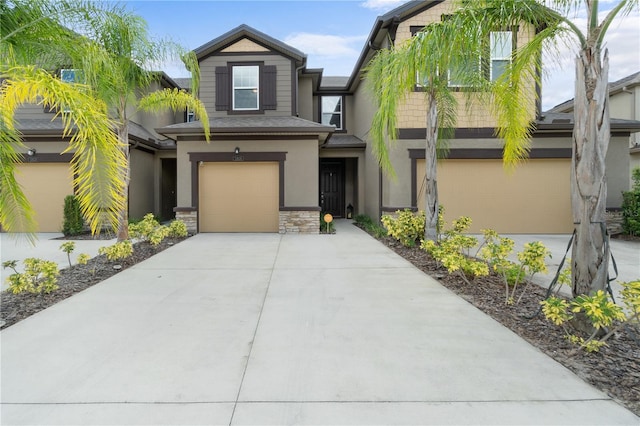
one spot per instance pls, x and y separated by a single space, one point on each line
282 329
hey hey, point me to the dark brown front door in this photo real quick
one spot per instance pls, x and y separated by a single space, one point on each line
168 197
332 187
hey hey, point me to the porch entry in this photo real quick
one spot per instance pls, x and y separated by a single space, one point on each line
332 187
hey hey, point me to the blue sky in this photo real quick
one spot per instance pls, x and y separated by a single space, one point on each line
332 33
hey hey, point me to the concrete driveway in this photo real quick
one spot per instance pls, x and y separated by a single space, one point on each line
282 329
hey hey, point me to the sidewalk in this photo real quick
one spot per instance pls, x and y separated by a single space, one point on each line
282 329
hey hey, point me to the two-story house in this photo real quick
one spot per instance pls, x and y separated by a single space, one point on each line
289 143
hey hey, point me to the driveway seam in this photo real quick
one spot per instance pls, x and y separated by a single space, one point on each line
255 331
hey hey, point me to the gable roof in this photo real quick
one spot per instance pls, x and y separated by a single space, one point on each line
245 31
614 87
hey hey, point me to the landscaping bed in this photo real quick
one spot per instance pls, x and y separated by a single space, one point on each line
16 307
614 370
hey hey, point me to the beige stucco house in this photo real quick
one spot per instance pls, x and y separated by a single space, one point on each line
289 143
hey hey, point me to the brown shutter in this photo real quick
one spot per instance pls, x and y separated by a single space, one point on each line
269 87
223 89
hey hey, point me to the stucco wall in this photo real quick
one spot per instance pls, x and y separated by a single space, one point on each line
142 184
300 167
305 98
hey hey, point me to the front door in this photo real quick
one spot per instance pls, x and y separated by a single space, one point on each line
332 186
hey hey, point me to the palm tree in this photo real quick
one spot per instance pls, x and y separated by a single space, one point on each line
115 63
421 63
591 132
33 41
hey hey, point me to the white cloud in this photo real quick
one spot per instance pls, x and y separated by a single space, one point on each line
382 5
336 54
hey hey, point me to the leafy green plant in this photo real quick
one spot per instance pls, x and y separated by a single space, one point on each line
406 227
178 229
117 251
68 247
370 226
73 223
631 206
453 251
83 258
149 229
599 310
39 276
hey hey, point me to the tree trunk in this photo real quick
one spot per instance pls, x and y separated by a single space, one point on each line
123 221
590 256
431 186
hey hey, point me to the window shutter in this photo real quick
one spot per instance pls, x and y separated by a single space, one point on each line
269 87
223 89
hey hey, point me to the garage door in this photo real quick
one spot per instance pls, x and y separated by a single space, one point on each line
534 198
239 197
46 185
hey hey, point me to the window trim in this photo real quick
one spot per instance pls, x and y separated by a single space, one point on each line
258 68
499 58
343 127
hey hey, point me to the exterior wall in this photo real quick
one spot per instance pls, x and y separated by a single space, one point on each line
33 111
244 45
412 114
368 170
141 186
618 170
283 84
305 98
301 163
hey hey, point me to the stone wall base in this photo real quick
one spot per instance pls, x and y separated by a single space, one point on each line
190 218
299 222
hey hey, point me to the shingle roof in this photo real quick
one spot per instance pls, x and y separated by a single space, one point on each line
564 121
183 83
245 31
344 141
250 124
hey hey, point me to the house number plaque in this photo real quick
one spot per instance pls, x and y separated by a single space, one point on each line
238 157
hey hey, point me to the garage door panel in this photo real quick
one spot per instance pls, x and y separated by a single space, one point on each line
533 198
239 197
45 186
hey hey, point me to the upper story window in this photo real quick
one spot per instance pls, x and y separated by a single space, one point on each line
246 88
331 111
70 76
501 46
189 115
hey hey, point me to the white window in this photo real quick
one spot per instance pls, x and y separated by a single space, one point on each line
501 47
246 90
332 111
469 65
190 115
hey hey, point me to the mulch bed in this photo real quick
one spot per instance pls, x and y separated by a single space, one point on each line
614 370
16 307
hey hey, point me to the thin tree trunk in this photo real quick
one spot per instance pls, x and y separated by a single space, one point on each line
591 135
123 217
431 187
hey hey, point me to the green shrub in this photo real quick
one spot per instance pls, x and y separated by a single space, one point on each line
178 229
39 276
453 251
73 223
117 251
406 227
83 258
631 206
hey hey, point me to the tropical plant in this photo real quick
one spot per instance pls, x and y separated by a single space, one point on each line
68 247
423 61
591 131
178 229
39 276
115 63
118 251
631 206
34 42
405 226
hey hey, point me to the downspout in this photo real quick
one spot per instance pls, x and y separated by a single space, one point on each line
300 68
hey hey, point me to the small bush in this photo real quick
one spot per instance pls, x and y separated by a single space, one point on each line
178 229
39 276
73 223
68 247
631 206
117 251
406 227
83 258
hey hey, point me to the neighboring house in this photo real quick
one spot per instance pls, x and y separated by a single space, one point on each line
624 104
45 174
289 144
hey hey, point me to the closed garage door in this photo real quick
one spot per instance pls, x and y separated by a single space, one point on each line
46 185
534 198
239 197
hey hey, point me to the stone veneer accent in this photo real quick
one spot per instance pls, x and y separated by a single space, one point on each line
614 221
190 218
299 222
